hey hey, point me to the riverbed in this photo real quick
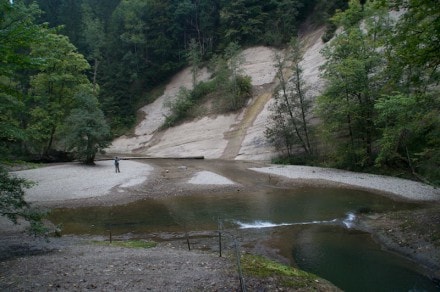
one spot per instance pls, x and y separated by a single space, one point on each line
175 181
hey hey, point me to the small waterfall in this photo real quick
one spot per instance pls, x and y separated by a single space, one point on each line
258 224
349 220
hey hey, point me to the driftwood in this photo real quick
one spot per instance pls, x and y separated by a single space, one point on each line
149 157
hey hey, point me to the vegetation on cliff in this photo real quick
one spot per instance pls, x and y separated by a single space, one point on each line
379 109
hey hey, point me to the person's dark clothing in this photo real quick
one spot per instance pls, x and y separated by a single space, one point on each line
117 165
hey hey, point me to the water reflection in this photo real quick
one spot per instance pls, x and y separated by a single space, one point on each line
354 262
313 225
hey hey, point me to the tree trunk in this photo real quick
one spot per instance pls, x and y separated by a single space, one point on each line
289 107
303 114
49 145
350 130
95 74
90 156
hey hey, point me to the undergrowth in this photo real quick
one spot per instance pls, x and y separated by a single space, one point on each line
128 243
229 96
261 267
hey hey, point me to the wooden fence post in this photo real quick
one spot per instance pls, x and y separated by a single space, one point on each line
220 227
187 241
240 273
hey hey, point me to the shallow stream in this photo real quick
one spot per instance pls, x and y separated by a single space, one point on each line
315 228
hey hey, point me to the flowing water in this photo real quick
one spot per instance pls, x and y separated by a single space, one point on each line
316 227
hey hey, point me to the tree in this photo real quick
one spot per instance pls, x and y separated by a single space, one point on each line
94 38
289 124
408 113
228 86
53 89
197 20
87 132
234 60
284 21
17 34
141 52
148 45
414 46
12 203
354 75
410 137
231 86
244 21
194 59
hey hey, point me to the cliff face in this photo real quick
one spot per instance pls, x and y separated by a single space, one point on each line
234 136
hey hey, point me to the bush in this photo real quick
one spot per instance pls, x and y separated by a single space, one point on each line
179 108
231 97
329 32
12 203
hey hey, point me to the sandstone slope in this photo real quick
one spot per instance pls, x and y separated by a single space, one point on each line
234 136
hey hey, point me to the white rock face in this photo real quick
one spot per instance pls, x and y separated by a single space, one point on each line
259 64
209 178
312 60
232 136
203 137
155 113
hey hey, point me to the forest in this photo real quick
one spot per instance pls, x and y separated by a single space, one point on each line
74 74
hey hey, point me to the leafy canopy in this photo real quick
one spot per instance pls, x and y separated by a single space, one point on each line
12 203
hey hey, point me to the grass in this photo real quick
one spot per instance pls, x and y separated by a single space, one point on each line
261 267
19 165
128 243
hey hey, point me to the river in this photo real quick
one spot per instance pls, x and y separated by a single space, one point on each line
314 228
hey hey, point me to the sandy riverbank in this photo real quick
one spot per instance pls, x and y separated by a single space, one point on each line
75 181
399 188
112 268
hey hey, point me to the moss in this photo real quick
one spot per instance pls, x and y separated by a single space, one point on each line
15 165
128 243
260 267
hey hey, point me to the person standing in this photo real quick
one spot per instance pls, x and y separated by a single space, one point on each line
117 164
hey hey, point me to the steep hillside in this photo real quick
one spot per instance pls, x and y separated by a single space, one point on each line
233 136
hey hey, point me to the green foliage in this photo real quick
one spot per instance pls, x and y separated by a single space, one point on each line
129 243
263 267
179 107
87 132
134 45
414 47
53 88
289 126
17 34
353 71
194 59
393 113
257 266
329 32
229 88
408 113
186 102
410 133
198 21
43 72
232 89
242 93
261 22
243 21
12 203
381 104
